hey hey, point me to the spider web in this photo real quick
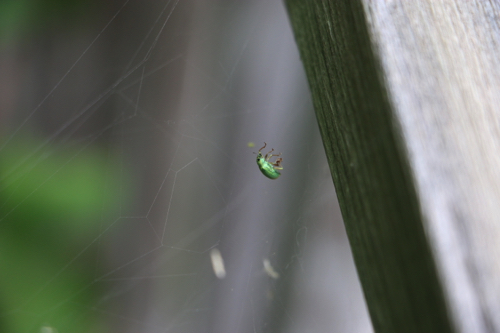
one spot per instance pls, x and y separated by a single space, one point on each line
131 200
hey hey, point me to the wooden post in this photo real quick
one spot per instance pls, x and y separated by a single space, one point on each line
407 96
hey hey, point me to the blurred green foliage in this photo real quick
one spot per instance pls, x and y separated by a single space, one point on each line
19 18
55 199
53 203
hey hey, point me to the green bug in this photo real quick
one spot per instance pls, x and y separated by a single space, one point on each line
269 169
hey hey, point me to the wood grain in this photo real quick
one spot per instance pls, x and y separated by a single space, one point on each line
406 95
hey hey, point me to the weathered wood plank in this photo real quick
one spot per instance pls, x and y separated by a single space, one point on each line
406 95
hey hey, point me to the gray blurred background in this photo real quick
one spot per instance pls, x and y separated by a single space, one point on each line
127 133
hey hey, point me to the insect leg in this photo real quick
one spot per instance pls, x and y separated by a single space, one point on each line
268 155
277 164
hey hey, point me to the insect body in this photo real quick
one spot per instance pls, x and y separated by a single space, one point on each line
269 169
